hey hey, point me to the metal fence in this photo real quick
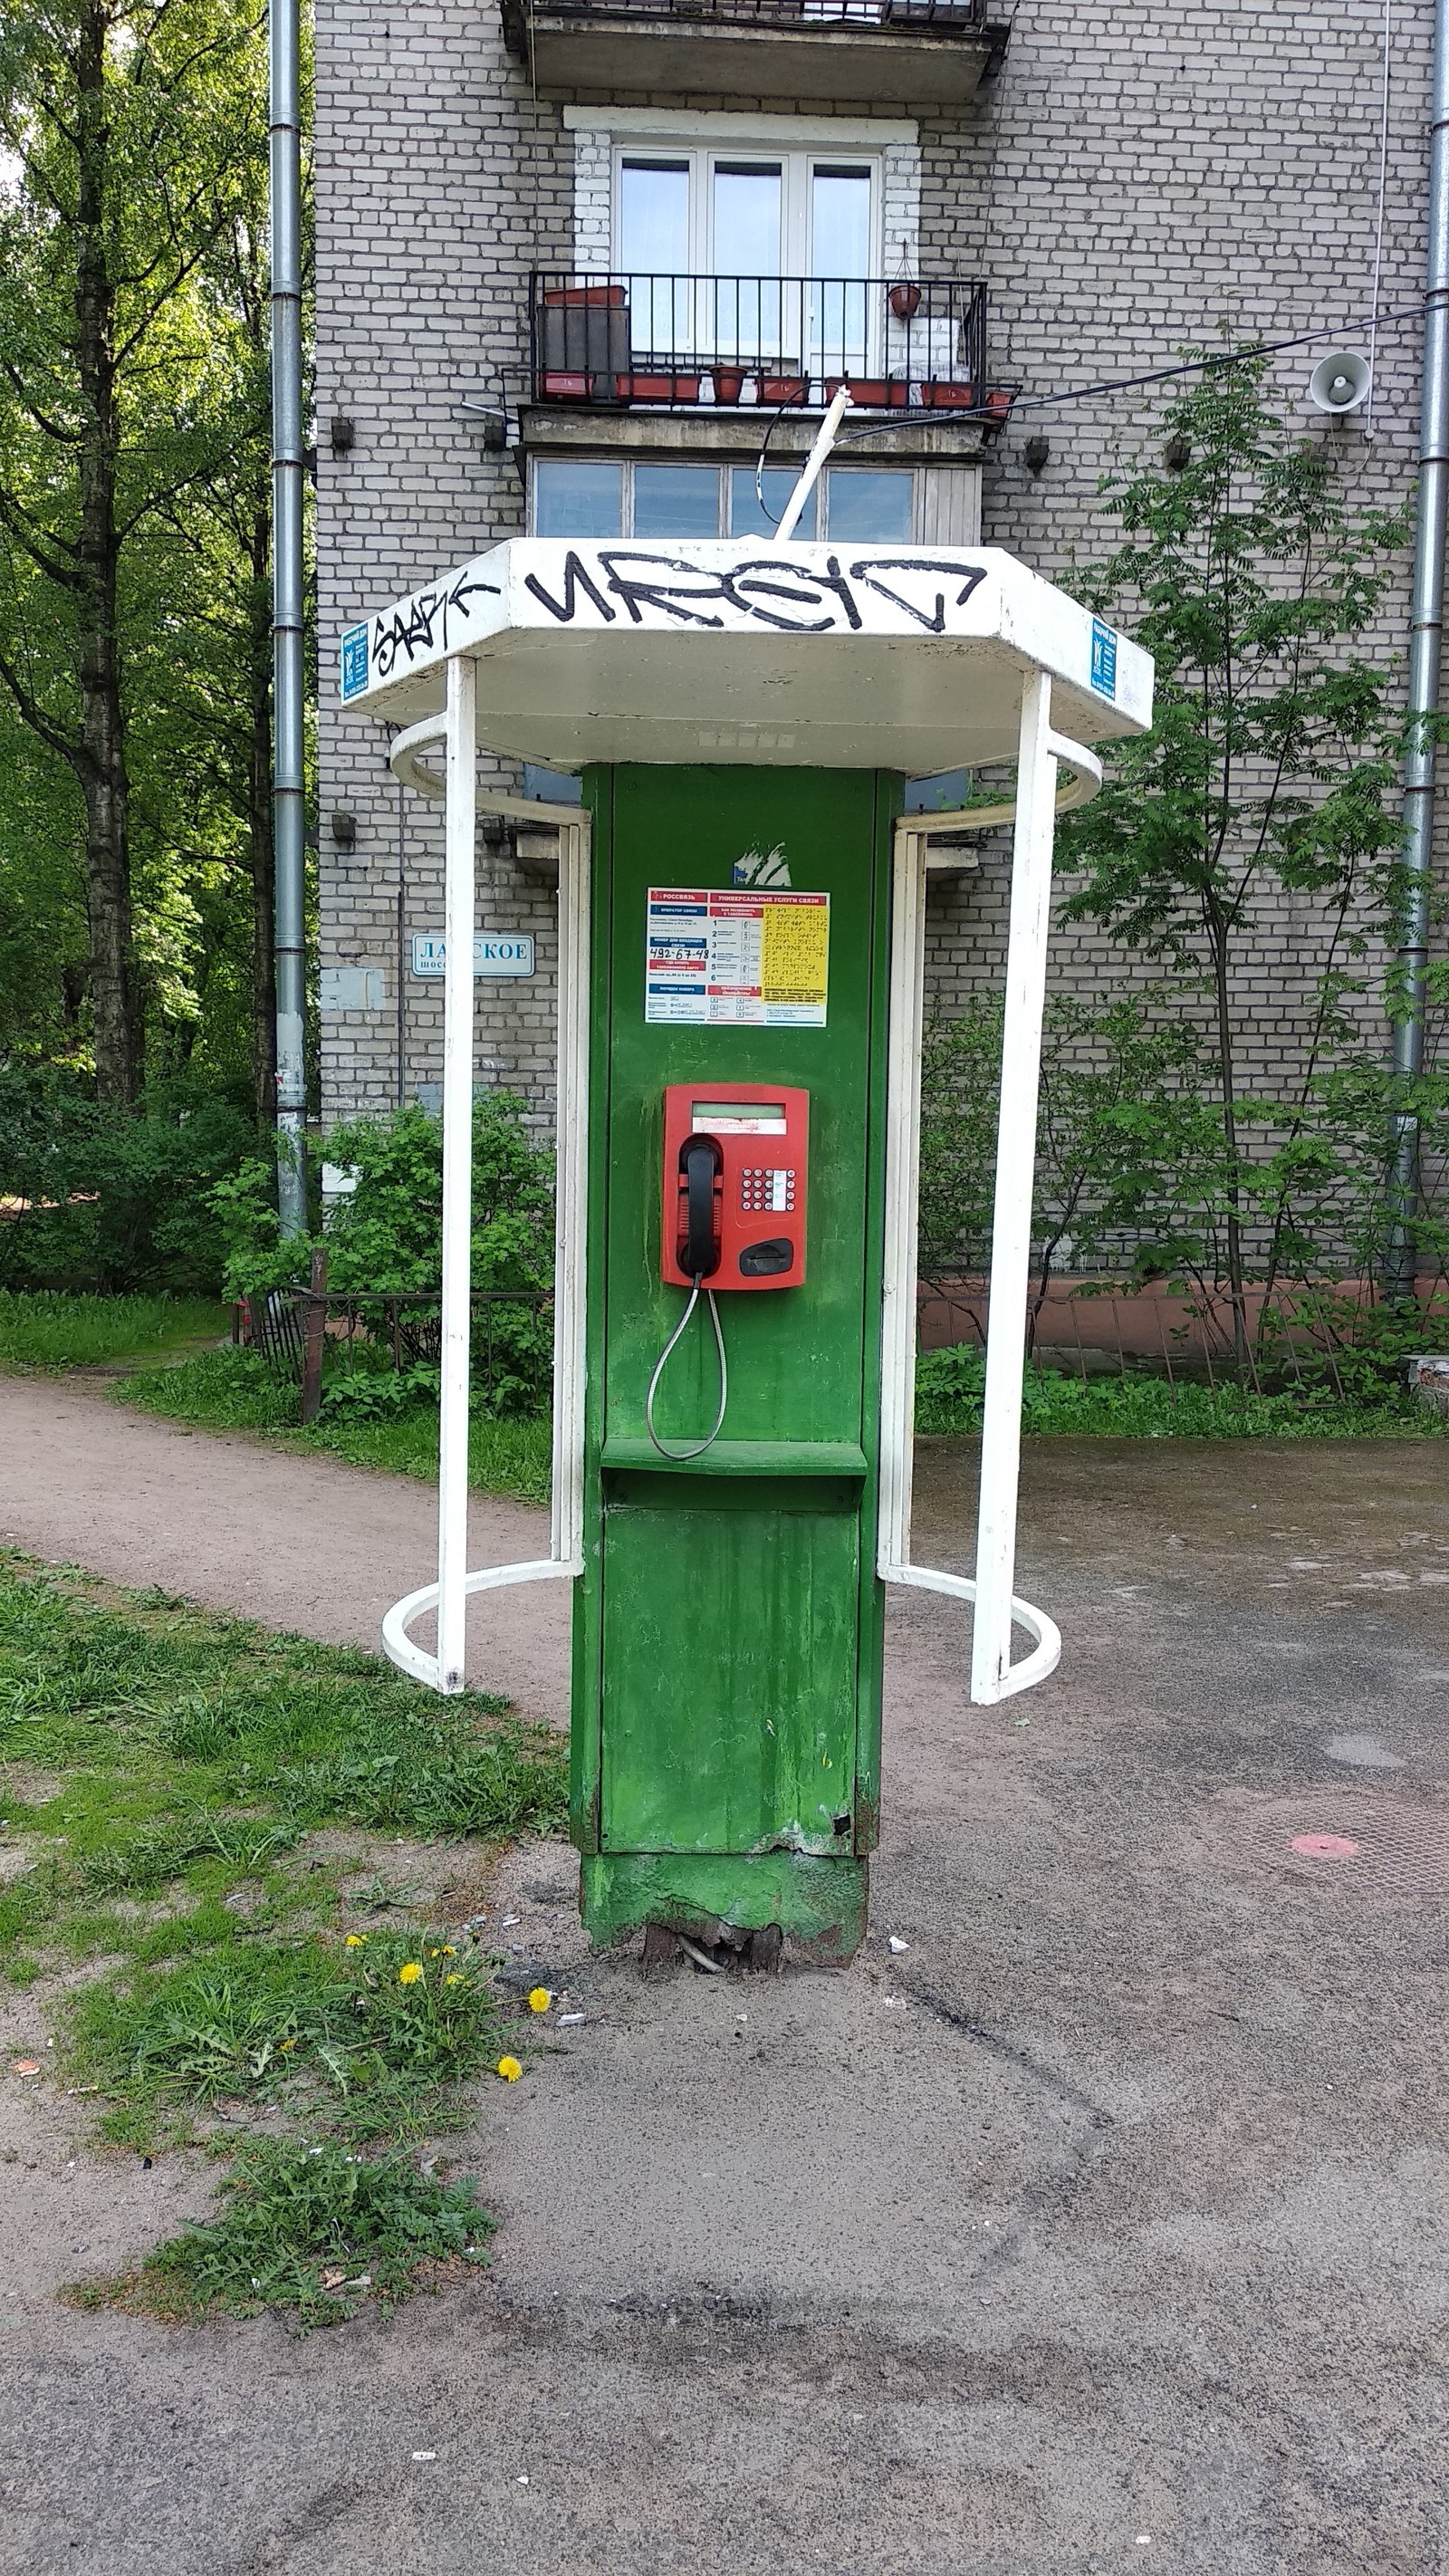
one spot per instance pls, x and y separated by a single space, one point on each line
726 342
947 17
295 1331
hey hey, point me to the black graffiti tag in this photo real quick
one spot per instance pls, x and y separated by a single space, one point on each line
869 568
577 577
771 590
421 621
749 585
663 582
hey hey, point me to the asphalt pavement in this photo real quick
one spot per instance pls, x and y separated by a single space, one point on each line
1101 2225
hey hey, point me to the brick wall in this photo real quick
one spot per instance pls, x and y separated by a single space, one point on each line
1131 177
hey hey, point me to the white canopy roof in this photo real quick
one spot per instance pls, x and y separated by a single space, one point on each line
908 658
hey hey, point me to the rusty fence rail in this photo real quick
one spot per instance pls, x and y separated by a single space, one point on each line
294 1330
1291 1332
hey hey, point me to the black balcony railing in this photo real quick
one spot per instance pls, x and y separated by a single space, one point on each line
959 17
728 342
930 17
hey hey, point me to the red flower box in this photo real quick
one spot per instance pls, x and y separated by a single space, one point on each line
783 389
939 396
556 295
659 388
565 385
873 393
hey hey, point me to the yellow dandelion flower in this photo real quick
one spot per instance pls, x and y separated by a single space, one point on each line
357 1940
289 2043
509 2069
432 1954
410 1971
450 1949
540 1999
452 1981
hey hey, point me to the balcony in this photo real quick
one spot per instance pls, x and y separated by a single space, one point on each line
923 55
738 344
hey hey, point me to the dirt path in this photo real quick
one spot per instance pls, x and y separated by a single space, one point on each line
297 1542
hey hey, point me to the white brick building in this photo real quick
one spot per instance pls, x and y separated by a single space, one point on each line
1093 185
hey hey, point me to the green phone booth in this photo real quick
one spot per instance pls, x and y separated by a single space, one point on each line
741 936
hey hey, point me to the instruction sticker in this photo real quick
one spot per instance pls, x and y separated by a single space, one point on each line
354 661
736 956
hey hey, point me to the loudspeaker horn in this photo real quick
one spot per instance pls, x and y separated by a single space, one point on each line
1340 382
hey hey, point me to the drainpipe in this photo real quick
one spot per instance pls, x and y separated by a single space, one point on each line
288 785
1425 638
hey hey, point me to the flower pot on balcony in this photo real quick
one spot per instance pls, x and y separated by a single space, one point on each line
872 393
660 386
783 389
937 395
905 300
729 383
564 384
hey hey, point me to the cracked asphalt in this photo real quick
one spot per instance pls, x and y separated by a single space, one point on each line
1102 2226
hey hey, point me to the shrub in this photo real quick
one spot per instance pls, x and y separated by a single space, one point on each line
388 1235
114 1199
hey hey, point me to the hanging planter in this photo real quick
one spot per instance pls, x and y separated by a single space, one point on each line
905 299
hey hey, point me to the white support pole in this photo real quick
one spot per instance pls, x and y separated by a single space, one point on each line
813 466
903 1155
1033 810
571 1194
913 837
1026 960
566 1557
460 817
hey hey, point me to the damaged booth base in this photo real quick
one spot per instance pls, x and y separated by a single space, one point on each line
742 907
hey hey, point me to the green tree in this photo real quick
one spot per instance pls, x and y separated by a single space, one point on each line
1272 762
135 132
1127 1158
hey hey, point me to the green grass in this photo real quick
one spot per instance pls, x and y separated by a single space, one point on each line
169 1720
228 1390
308 2228
1139 1405
235 1391
175 1763
47 1329
378 2036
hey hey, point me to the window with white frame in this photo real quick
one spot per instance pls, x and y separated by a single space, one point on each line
716 209
639 497
762 256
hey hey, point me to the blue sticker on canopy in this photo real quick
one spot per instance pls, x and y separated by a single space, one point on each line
1104 659
354 661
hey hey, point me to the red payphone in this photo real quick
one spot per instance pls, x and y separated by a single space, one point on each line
736 1185
736 1173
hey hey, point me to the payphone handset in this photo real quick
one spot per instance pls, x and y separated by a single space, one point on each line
736 1182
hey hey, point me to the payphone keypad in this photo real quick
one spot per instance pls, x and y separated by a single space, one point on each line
767 1192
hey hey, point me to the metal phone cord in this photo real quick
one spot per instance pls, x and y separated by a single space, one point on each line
681 1456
